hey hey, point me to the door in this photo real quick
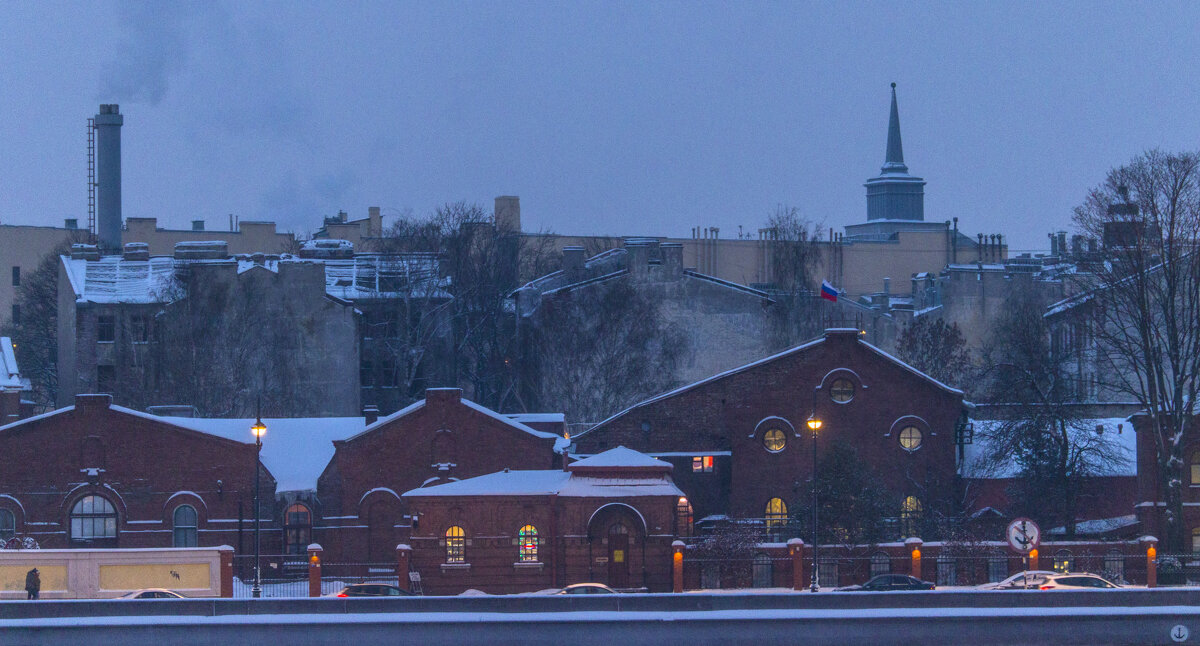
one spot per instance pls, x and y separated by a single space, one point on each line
618 556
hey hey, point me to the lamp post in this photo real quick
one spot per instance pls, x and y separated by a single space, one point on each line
259 429
814 425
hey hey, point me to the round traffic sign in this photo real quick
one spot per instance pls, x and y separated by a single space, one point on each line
1023 535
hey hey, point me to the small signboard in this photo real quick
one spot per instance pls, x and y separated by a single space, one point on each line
1023 535
602 559
415 577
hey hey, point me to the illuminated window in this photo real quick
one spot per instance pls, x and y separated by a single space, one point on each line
842 390
702 464
774 440
527 539
683 513
185 526
456 545
297 529
910 438
93 517
8 525
1062 561
776 512
910 516
1196 469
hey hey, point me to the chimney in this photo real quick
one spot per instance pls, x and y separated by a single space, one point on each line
887 286
1053 244
637 260
374 222
81 251
572 264
1062 243
342 216
672 260
371 413
136 251
108 124
508 214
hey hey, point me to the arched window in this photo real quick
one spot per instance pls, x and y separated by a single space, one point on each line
185 521
910 438
297 529
683 514
881 563
1063 561
93 518
910 516
774 440
527 541
456 545
776 512
8 525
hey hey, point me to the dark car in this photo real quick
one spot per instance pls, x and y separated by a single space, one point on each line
373 590
889 582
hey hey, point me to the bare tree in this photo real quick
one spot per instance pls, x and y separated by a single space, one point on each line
1144 312
1045 441
936 348
793 255
601 348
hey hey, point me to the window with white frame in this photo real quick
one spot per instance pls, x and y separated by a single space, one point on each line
93 517
8 525
184 524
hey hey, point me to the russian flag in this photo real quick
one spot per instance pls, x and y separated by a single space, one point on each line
828 292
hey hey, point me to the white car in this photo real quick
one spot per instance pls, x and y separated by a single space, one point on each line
152 593
1020 581
1077 581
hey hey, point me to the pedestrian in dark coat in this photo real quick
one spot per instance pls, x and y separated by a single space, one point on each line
33 583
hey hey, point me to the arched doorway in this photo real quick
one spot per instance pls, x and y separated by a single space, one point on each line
617 535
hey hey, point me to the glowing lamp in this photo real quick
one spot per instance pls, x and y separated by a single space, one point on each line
1151 552
916 554
814 424
259 429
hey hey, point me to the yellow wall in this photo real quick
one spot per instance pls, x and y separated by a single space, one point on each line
175 576
12 577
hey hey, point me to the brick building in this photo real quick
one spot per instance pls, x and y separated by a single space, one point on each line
610 518
739 442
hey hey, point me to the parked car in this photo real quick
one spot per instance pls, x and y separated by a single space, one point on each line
372 590
1029 580
889 582
152 593
1076 581
587 588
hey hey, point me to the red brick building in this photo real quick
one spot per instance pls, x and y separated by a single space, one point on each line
740 444
610 518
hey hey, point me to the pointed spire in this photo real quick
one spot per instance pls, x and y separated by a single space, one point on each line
894 162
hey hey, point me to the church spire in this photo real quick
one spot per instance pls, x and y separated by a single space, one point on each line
894 162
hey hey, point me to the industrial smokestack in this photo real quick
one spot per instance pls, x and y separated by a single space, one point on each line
108 177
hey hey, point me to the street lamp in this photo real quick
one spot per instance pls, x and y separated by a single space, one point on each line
259 429
814 425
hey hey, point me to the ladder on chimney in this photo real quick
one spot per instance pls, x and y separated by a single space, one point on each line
91 163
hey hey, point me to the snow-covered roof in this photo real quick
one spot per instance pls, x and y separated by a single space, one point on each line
620 457
537 418
295 450
112 279
559 444
552 482
1123 443
10 376
1099 526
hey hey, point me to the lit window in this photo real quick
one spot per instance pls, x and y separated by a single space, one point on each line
106 329
528 541
910 438
774 440
683 513
8 525
842 390
456 545
776 512
702 464
297 529
1196 469
1062 561
910 516
185 526
93 517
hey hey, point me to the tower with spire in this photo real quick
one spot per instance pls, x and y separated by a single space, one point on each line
894 194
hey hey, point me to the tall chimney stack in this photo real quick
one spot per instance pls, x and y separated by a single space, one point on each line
108 177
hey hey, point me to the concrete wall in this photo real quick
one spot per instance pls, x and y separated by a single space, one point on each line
25 247
250 237
100 574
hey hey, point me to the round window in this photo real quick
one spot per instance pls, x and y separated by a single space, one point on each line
774 440
910 438
842 390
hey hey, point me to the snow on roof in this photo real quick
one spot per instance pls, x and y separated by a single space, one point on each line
111 279
1099 526
559 444
545 418
620 457
1124 443
551 482
10 376
295 450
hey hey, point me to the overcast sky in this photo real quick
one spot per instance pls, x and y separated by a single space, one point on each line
605 118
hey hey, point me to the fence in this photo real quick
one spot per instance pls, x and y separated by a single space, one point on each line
295 575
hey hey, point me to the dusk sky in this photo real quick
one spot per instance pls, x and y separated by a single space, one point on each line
638 118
